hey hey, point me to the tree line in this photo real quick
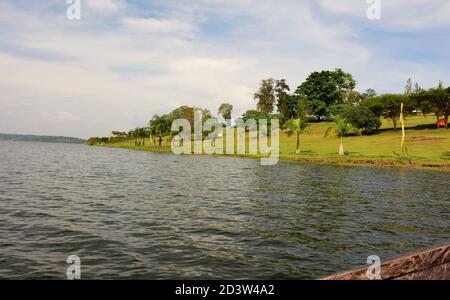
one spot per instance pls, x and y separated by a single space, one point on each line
323 96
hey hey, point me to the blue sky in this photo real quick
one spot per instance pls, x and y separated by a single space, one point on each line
125 61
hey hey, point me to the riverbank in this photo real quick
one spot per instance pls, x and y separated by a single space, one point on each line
428 148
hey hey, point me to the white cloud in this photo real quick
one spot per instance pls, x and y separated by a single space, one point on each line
91 76
110 5
152 25
397 14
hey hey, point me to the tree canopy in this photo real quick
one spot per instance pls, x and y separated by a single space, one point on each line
265 96
388 106
225 110
360 117
323 89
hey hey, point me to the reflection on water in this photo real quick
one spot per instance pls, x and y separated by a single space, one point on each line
157 216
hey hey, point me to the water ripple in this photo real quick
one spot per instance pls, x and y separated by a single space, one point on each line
136 215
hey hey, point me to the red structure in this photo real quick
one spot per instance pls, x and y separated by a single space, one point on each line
442 123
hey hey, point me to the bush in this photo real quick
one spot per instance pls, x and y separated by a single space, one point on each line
361 117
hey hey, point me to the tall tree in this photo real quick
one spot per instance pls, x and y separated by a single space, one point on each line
409 87
434 100
417 87
225 110
301 107
388 105
161 126
265 96
369 93
282 97
353 97
324 89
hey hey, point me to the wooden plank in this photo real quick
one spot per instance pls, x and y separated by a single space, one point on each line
440 272
417 262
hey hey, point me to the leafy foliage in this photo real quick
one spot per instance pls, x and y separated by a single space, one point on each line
324 89
360 117
225 110
341 128
265 96
434 100
297 127
388 105
282 98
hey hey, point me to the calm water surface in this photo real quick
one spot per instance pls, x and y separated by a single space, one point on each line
160 216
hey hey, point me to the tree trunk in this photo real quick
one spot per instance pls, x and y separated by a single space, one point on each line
297 149
446 121
394 121
341 148
160 141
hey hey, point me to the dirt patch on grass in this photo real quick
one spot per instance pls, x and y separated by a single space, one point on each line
425 139
388 163
394 163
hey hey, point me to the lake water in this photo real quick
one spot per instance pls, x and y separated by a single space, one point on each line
159 216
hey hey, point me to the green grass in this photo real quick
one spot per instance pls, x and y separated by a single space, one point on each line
427 147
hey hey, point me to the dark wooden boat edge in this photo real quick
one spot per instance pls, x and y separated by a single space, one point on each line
431 263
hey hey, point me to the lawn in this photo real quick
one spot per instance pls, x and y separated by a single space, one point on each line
426 145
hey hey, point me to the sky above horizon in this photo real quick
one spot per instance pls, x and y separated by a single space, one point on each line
125 61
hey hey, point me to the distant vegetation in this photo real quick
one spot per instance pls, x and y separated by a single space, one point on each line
324 97
41 138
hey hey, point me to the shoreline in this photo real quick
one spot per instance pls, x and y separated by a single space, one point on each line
344 161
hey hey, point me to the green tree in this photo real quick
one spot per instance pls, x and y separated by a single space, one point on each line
187 113
139 133
296 108
353 97
324 89
225 110
388 105
434 100
369 93
409 87
265 96
94 141
259 115
360 117
119 134
161 126
341 128
282 98
297 127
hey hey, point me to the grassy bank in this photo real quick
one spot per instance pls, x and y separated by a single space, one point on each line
427 147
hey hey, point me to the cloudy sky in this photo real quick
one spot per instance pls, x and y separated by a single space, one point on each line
125 61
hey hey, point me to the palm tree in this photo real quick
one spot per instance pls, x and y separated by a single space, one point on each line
340 128
297 126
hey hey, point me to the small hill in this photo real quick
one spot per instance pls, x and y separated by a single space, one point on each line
41 138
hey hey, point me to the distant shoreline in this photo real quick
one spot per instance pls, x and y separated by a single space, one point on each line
40 138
